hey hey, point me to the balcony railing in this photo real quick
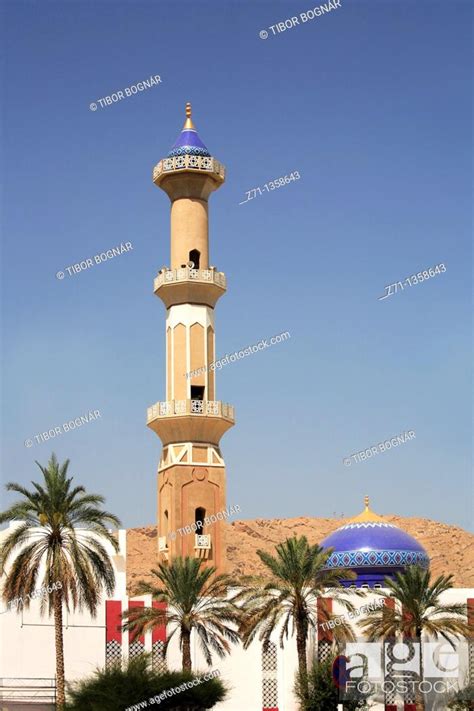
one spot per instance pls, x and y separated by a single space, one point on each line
186 162
202 541
168 276
162 543
207 408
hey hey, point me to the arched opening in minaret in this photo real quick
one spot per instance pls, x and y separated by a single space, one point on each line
194 257
199 516
166 523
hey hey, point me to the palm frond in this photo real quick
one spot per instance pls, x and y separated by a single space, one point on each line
51 515
195 598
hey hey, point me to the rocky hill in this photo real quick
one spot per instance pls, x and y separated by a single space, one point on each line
451 549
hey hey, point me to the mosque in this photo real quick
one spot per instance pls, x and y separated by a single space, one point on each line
191 488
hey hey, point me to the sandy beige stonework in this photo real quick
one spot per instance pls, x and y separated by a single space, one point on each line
450 548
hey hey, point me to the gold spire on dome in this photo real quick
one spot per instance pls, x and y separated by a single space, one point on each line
367 514
188 124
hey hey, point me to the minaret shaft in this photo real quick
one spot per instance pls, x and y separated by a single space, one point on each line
190 347
189 233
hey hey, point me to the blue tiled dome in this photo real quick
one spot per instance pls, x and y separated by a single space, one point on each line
188 141
373 548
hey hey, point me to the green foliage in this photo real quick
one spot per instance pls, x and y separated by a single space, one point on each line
53 515
323 694
288 594
462 699
116 689
419 609
196 600
62 530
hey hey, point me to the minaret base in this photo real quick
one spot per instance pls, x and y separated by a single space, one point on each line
191 506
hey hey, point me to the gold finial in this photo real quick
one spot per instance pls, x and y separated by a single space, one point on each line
188 124
367 514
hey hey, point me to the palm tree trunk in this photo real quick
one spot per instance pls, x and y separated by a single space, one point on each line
420 696
302 663
59 642
186 638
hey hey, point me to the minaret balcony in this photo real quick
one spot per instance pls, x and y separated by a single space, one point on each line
189 286
190 420
202 545
163 549
178 164
162 544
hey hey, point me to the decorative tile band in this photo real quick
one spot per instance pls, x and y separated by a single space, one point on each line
189 151
366 524
269 676
369 559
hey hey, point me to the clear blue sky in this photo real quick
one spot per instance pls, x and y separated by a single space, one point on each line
371 104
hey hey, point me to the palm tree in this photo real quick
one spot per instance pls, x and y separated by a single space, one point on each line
58 538
419 611
290 597
196 599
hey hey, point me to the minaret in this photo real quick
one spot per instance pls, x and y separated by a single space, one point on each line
191 421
